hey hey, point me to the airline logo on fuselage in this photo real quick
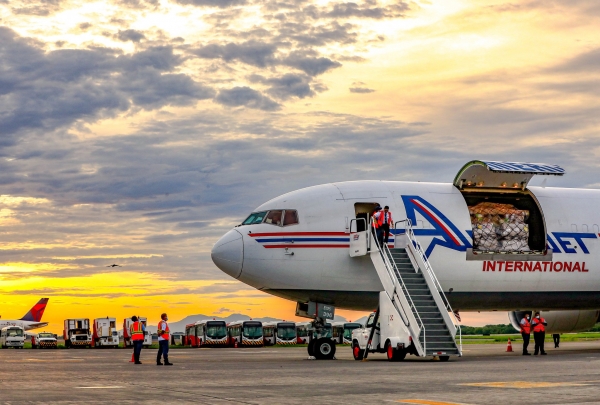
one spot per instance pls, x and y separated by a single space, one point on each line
445 233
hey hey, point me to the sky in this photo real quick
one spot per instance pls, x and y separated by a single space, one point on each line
138 132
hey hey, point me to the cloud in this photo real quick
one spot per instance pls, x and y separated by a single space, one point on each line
212 3
361 90
247 97
587 62
49 90
310 65
130 35
288 85
251 52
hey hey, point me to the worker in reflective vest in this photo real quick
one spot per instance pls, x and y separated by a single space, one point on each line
163 341
385 223
137 338
375 228
539 333
526 333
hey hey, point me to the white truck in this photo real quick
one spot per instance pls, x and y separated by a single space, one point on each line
360 340
44 340
105 333
127 322
76 333
12 336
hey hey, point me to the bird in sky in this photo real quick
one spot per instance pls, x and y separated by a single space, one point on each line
113 265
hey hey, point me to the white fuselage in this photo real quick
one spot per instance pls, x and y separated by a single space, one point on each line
310 260
26 325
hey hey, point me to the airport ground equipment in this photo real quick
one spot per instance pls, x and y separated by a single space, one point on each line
76 333
177 338
245 333
414 316
342 332
302 332
279 333
12 336
206 333
127 322
105 333
44 340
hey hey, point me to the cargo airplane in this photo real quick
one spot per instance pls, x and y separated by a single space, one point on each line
298 246
31 320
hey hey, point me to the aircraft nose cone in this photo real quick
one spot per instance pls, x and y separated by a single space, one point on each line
228 253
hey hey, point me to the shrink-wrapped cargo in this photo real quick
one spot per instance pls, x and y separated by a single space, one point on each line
499 227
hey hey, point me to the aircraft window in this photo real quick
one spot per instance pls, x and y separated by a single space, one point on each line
255 218
290 218
274 217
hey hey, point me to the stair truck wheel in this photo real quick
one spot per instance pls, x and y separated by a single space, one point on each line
324 349
394 354
444 358
357 352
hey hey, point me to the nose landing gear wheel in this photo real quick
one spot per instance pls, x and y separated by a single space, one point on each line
324 349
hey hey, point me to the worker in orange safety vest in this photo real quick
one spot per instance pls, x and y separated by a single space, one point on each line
163 341
137 338
526 333
375 228
385 222
539 333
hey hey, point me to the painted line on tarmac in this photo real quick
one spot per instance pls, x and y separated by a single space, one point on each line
525 384
428 402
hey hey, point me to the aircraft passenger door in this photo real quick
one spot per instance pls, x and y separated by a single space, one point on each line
358 240
360 228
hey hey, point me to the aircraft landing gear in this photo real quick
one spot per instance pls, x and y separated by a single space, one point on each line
321 348
324 349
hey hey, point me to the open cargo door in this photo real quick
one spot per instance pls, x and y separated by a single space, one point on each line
506 218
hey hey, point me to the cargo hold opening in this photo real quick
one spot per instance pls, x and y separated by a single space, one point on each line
506 222
506 219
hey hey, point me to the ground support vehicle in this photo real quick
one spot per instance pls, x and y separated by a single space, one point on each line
105 333
12 336
76 333
177 338
414 316
302 332
279 333
44 340
207 333
245 333
127 322
342 332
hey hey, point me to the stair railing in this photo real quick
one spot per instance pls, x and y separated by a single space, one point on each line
419 250
394 274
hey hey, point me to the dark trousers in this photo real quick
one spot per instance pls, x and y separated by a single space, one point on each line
137 349
556 338
539 337
385 233
526 337
163 350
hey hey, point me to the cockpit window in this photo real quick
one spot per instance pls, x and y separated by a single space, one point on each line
255 218
274 217
290 217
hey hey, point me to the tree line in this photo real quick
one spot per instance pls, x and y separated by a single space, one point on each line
501 329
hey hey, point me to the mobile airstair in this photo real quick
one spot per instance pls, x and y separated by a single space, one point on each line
414 313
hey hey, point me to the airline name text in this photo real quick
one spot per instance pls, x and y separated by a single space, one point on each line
548 267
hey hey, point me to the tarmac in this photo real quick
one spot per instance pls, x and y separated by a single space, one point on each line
485 375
